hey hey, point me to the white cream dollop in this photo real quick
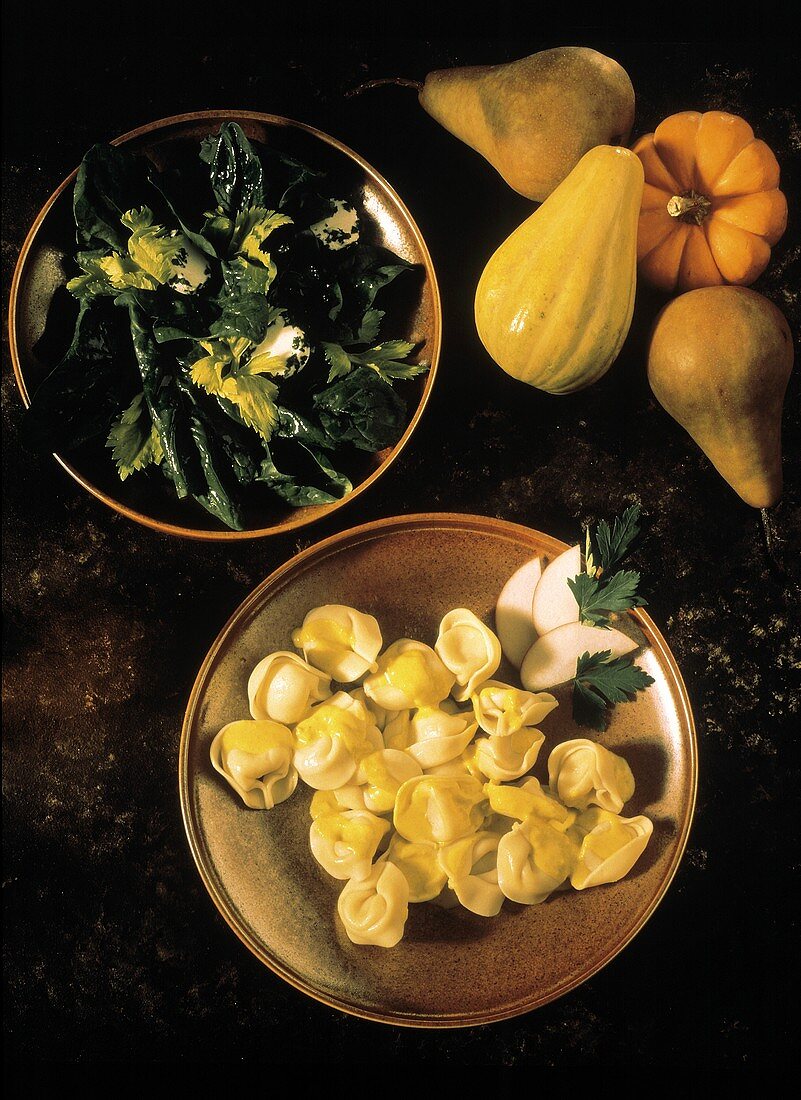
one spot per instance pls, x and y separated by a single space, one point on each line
340 228
284 348
192 267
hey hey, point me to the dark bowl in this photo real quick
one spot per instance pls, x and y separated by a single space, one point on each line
37 301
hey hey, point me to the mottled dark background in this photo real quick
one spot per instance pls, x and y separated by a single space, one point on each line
113 949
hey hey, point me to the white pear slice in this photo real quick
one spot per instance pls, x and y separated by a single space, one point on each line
552 659
513 623
554 603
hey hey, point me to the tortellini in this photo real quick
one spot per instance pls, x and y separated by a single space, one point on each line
610 847
439 808
380 716
256 760
284 687
398 729
464 764
584 774
502 710
506 758
419 862
469 649
420 773
472 868
381 775
349 797
437 737
332 741
534 859
409 674
373 909
521 800
339 640
345 843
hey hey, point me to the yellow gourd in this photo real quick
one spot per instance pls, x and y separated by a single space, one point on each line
555 301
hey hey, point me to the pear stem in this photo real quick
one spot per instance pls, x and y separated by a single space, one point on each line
690 207
774 548
401 81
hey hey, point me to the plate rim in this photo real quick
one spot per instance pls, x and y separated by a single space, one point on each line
298 519
303 560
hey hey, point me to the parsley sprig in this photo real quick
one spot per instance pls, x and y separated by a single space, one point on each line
598 599
600 594
601 681
612 544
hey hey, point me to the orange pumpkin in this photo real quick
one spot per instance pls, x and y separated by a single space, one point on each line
711 207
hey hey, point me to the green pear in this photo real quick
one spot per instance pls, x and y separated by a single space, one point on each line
534 119
719 362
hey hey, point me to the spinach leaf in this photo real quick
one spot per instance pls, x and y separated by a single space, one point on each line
308 285
87 389
240 446
369 270
190 458
245 315
197 239
286 180
217 498
289 488
179 316
235 170
160 390
110 181
291 425
363 410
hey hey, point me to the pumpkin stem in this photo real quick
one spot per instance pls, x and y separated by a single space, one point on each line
401 81
690 207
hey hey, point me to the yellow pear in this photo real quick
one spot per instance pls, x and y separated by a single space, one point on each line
535 118
719 362
555 301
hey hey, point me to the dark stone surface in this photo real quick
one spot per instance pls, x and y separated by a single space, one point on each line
113 950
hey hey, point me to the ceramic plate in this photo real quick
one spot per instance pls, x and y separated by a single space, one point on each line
413 312
451 968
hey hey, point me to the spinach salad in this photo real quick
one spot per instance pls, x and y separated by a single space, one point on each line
228 333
